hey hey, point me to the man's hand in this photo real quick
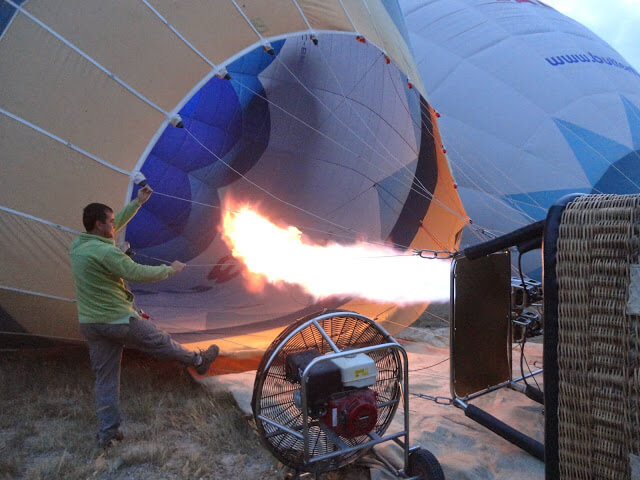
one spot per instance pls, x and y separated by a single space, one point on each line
177 266
144 193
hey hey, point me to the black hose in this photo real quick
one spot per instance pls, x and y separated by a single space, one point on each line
510 434
526 236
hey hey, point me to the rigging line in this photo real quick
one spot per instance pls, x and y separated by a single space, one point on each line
426 331
240 264
37 219
244 15
265 191
64 142
375 27
409 178
424 104
311 127
513 182
37 294
437 316
353 25
356 155
357 237
497 197
188 265
418 221
204 57
366 124
344 101
463 162
351 200
178 34
408 62
194 202
353 234
295 2
355 134
421 125
421 330
497 193
87 57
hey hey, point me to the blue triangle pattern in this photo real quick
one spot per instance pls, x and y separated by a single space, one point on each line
594 152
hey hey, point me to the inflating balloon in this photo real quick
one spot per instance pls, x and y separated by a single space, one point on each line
533 104
314 112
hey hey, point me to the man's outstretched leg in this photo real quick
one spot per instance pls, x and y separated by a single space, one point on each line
145 336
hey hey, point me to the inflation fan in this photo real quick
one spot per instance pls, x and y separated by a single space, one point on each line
326 391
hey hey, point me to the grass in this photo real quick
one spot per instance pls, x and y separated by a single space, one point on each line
174 428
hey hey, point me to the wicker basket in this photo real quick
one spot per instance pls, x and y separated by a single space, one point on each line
598 337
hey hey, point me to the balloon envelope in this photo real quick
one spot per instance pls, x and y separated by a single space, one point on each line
282 107
533 104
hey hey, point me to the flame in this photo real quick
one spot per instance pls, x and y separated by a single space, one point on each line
280 256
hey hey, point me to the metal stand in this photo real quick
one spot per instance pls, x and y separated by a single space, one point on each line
481 334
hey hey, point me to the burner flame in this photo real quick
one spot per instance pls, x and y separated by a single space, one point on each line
283 257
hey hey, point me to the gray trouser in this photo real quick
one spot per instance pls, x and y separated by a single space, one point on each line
105 351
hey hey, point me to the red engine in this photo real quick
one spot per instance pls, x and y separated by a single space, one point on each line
351 414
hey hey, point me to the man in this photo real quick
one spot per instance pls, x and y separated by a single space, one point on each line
107 317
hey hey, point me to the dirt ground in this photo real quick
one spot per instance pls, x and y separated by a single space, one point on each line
174 428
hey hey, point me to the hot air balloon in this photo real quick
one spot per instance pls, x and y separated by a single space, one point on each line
313 111
533 106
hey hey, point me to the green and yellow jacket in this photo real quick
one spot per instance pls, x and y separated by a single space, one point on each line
99 270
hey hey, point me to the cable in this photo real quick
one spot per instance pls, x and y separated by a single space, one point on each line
430 366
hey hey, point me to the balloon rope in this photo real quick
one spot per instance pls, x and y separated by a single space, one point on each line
275 197
87 57
424 104
331 111
446 207
261 38
257 94
358 235
353 25
412 179
553 166
334 141
179 35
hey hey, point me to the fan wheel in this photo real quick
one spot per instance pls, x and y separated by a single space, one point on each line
425 465
273 394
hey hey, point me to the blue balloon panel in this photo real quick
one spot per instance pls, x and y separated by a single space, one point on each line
226 131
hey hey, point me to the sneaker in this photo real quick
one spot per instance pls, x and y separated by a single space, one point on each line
110 438
208 356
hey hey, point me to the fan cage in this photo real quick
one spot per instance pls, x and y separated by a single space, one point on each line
273 394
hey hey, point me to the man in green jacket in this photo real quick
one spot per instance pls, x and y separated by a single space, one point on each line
107 317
